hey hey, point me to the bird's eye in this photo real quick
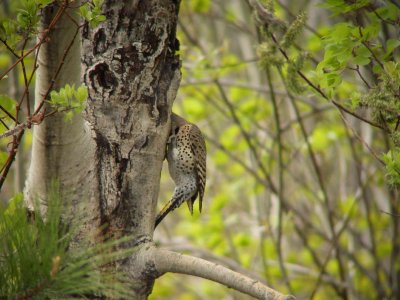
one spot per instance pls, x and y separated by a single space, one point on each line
176 130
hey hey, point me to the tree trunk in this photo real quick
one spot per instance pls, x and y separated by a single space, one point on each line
60 149
132 73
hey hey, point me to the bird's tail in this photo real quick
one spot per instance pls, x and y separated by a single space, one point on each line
172 204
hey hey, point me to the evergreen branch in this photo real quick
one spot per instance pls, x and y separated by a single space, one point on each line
43 267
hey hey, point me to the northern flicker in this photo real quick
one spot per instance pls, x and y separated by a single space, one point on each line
186 155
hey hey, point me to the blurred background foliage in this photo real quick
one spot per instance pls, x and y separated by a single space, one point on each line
298 194
301 120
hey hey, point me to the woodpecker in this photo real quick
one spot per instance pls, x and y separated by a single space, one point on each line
186 155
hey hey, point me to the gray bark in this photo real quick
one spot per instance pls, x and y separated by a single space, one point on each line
132 73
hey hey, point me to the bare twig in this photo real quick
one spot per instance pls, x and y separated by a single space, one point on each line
18 107
374 154
321 184
11 156
8 114
391 214
248 169
357 69
11 50
13 131
373 53
244 133
281 204
365 200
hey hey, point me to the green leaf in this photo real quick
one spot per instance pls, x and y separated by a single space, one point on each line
9 32
43 3
389 12
392 161
69 99
361 61
377 69
68 115
28 17
391 44
332 80
84 10
82 93
355 99
98 3
362 56
340 6
93 14
340 32
101 18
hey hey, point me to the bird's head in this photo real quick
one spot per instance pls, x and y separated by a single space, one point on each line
176 123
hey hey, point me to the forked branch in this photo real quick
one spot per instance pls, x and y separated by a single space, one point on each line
169 261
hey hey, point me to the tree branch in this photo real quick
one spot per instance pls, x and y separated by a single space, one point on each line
169 261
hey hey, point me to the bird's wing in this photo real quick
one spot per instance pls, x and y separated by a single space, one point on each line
198 147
